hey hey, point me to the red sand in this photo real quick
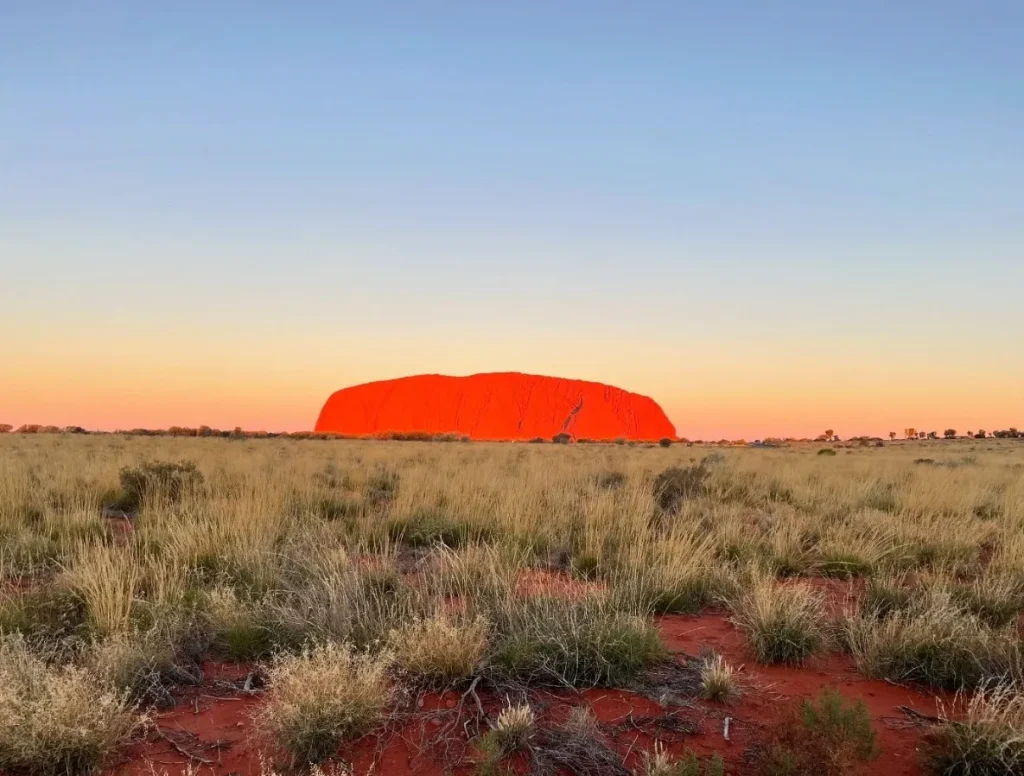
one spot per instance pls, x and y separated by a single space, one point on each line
498 406
770 687
769 691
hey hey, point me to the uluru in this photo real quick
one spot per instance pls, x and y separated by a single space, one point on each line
494 406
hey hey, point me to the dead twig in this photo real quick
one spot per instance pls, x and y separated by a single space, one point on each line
182 750
917 715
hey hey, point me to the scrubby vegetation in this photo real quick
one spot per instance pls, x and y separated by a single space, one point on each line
498 571
825 736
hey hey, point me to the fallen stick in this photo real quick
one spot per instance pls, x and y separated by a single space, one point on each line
915 714
182 750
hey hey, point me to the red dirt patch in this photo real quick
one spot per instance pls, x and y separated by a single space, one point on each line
768 687
215 722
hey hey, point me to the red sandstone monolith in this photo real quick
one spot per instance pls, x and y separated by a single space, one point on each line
501 405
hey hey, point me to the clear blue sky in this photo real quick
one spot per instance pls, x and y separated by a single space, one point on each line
768 215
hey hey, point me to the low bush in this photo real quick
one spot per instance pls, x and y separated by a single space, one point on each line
575 747
57 720
828 737
677 484
322 697
611 480
660 763
439 650
426 527
381 488
718 680
43 616
782 623
160 480
827 451
986 740
582 643
936 643
510 733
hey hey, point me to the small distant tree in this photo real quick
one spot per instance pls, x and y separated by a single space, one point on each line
561 439
949 433
892 435
829 433
970 434
6 428
910 433
933 434
1014 433
980 434
921 435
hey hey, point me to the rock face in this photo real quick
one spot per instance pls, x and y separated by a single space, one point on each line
501 405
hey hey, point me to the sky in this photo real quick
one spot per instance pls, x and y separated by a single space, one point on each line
772 217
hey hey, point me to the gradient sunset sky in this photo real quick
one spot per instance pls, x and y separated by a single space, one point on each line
772 217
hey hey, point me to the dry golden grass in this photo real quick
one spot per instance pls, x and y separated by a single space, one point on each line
57 719
321 697
283 543
440 649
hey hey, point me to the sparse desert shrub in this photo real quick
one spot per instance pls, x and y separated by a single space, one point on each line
583 643
57 720
510 733
45 616
440 650
237 627
426 527
381 488
139 663
611 480
827 451
677 484
938 644
660 763
781 622
994 598
322 697
986 741
828 737
332 509
107 579
886 594
665 442
561 439
161 480
718 680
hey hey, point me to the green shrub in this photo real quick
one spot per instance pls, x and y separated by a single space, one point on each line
827 738
782 623
426 527
159 480
582 643
677 484
46 615
985 741
938 644
611 480
381 488
827 451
